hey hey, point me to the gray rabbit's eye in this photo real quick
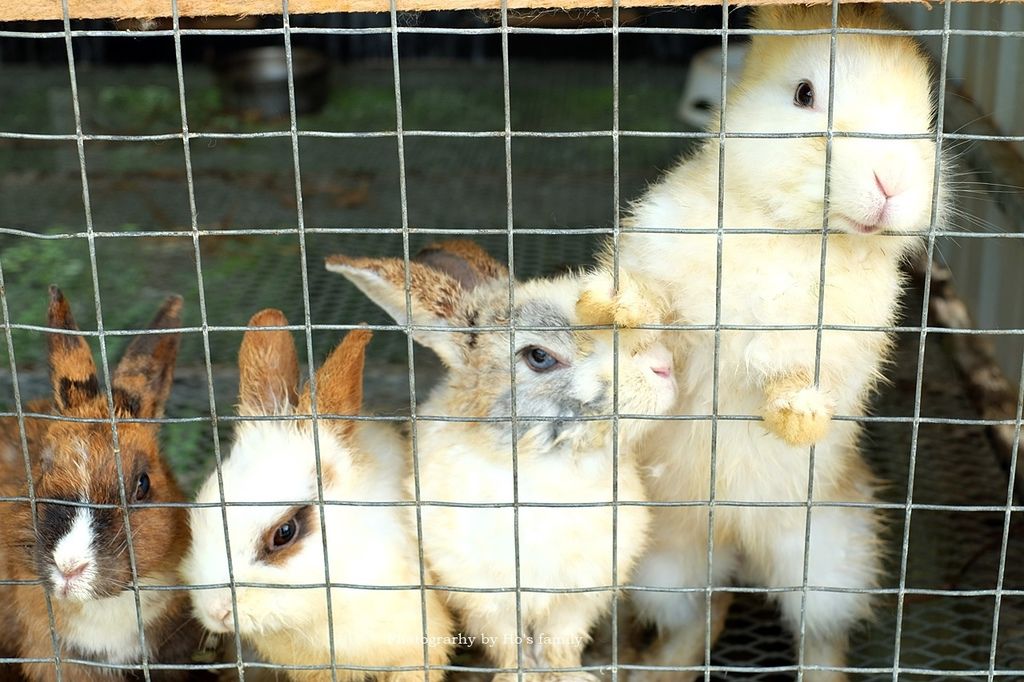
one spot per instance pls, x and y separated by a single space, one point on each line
804 96
539 360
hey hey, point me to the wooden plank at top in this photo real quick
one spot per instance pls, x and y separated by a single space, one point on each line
11 10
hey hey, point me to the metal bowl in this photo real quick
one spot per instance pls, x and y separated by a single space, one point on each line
255 81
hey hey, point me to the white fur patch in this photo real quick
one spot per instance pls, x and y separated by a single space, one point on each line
73 550
108 628
843 555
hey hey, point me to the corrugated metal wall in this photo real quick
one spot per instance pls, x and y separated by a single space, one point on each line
989 71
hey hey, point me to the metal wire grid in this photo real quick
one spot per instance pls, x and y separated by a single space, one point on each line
901 592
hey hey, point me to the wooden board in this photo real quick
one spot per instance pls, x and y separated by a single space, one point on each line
147 9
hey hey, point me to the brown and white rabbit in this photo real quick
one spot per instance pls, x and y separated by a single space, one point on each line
80 553
882 86
563 376
373 546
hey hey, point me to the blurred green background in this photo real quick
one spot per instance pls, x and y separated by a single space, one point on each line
249 184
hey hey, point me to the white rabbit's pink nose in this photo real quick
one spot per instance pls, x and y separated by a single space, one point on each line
218 615
887 189
659 359
664 371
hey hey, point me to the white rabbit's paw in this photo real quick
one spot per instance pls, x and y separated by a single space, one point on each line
799 417
628 305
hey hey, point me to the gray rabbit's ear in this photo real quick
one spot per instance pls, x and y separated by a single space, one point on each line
440 278
464 261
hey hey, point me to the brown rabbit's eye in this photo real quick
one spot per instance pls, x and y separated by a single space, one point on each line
284 534
539 360
142 487
804 96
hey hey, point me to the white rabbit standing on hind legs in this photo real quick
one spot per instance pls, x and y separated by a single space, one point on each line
565 385
881 190
378 621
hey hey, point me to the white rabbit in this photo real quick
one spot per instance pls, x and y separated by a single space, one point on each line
882 86
559 375
274 461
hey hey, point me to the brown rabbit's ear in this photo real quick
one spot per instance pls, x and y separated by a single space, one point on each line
339 382
143 378
439 279
72 370
268 367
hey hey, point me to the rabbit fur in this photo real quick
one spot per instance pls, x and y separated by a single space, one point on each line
881 192
79 552
374 546
462 295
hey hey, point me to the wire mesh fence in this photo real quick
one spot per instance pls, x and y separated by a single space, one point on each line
942 502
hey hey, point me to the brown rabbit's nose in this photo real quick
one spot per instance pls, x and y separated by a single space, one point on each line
71 572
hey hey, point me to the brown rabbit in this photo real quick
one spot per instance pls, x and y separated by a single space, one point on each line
79 553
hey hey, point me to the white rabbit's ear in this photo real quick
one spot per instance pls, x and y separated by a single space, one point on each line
768 17
440 277
339 381
268 367
857 15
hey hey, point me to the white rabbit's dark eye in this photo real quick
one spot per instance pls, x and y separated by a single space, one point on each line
539 360
284 534
804 96
142 487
